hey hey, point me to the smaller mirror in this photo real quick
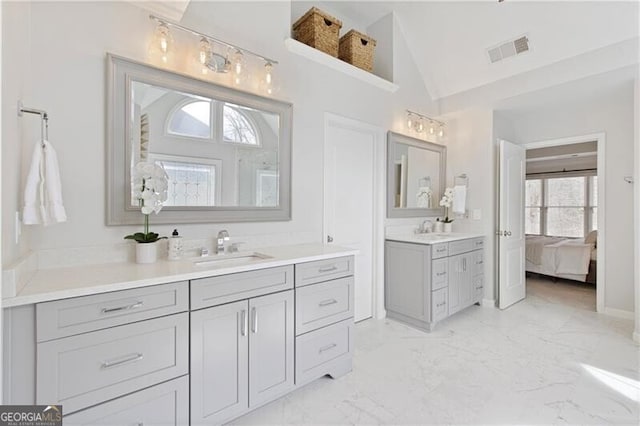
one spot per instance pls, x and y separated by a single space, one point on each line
415 177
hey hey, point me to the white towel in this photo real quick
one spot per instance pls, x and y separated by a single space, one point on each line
459 199
43 191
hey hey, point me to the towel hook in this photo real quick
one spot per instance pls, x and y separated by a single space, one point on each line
44 119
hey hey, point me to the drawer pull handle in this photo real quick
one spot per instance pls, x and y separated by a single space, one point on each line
440 304
480 262
329 269
326 348
439 274
441 250
122 308
244 323
254 323
129 358
327 302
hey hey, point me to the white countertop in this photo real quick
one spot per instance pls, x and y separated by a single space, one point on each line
431 238
63 283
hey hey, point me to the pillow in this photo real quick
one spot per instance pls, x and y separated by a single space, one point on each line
592 238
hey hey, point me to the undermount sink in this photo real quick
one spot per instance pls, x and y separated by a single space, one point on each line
430 236
230 259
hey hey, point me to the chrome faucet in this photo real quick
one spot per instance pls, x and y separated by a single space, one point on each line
222 237
204 252
427 226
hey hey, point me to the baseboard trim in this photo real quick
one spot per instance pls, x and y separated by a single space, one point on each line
488 303
618 313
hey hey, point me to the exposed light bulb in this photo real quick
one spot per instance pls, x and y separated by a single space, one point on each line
441 131
409 122
237 67
163 41
204 54
432 130
268 77
420 126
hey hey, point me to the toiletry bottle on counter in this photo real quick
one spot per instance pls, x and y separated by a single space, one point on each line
175 246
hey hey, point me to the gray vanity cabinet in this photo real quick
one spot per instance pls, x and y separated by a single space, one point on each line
425 283
241 356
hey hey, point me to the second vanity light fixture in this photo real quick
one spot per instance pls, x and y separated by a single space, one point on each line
213 54
421 123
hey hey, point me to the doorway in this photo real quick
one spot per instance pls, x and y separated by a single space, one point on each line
353 197
563 192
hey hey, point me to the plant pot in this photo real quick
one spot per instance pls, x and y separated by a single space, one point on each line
438 227
146 252
447 227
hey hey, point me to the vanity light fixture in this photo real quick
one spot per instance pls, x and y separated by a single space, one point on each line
418 124
233 59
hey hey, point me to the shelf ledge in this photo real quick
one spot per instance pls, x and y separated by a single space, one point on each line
322 58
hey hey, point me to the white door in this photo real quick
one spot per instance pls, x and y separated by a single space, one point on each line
511 241
350 199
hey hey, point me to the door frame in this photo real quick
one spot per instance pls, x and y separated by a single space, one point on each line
379 168
600 138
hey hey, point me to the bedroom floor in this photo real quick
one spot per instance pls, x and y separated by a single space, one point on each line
562 292
539 362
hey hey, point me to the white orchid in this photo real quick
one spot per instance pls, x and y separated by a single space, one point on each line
149 184
446 202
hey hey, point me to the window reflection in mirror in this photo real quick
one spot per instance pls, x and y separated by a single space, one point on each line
216 153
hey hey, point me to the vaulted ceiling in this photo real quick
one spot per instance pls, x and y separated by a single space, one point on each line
449 39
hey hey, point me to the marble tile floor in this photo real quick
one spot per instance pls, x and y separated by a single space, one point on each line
539 362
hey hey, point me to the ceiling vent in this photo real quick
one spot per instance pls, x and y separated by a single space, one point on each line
508 49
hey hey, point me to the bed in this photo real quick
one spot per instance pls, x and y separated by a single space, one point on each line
568 258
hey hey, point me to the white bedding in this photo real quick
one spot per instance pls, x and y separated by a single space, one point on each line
560 257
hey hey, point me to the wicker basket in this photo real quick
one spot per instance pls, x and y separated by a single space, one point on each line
319 30
357 49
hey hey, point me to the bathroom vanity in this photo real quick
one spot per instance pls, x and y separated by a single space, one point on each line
177 343
429 277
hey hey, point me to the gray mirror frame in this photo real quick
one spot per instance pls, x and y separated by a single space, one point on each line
120 72
396 138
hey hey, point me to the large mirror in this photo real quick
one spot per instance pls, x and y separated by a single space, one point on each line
227 153
415 177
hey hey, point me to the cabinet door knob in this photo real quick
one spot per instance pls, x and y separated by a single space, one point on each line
329 239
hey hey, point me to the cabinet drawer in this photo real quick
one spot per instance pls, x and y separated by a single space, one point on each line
213 291
316 351
439 302
478 243
323 304
323 270
462 246
439 250
478 262
166 404
90 368
478 287
63 318
439 274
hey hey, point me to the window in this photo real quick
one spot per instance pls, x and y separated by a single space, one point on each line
192 182
533 206
561 206
192 120
237 128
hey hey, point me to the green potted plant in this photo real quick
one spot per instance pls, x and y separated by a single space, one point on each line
149 183
446 202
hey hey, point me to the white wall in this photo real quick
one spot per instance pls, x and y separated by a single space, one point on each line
16 139
612 114
471 150
636 202
70 83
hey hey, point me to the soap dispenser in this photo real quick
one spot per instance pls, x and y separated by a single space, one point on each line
175 246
